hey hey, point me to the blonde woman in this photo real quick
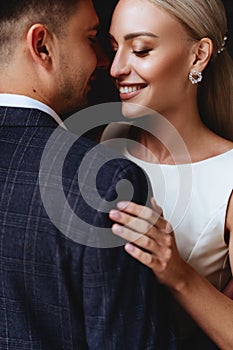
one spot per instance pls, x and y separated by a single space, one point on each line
171 57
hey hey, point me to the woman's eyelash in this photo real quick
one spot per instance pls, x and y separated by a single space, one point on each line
141 52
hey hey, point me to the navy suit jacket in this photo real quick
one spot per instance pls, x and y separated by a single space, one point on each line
57 291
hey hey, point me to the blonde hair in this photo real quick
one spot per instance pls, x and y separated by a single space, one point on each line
207 18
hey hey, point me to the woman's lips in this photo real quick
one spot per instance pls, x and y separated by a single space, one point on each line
129 91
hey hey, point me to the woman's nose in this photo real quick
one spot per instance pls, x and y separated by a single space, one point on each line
120 65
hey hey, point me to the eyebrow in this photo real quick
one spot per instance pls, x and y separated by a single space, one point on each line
135 35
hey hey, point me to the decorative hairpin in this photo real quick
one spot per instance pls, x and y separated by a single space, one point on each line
224 43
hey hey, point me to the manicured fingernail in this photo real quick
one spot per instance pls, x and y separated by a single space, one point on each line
122 205
115 214
117 229
129 248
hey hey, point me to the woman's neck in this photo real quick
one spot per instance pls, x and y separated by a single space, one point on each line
180 142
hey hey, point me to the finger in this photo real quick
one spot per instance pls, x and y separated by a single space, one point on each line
156 207
134 223
154 246
126 233
160 236
137 223
141 211
168 227
153 262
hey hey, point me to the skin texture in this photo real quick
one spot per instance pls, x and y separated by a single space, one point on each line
161 75
56 70
152 243
158 64
150 56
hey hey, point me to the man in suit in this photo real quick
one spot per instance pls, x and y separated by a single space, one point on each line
61 284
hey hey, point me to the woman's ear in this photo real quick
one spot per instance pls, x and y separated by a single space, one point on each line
203 51
39 44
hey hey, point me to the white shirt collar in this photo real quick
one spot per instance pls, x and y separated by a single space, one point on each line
21 101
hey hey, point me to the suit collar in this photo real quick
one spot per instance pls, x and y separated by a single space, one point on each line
21 101
21 117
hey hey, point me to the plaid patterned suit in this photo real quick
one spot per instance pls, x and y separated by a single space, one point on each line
54 292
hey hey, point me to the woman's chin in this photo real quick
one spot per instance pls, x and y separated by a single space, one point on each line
132 110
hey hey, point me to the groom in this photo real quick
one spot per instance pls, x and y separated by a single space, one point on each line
64 282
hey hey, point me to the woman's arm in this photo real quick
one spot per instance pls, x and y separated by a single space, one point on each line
153 244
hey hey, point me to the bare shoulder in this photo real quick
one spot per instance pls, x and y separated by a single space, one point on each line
229 224
229 216
228 144
215 145
229 219
229 227
223 145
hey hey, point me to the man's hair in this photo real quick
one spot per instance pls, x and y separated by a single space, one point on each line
18 15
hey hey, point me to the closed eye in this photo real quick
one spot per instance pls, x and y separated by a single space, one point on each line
142 53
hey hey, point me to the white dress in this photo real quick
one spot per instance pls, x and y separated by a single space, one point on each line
194 198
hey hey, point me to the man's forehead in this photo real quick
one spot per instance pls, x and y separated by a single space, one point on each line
87 17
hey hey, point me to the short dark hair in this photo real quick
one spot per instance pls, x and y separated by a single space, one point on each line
15 13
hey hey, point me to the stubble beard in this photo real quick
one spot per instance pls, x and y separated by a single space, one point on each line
73 97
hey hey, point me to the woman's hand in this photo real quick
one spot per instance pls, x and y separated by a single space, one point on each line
151 240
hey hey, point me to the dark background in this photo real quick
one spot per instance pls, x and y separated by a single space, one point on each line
103 88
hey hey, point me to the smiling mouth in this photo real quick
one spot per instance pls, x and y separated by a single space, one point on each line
129 89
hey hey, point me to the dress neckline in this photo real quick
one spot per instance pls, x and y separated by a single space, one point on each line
204 161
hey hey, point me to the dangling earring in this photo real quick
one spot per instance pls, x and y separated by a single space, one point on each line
195 76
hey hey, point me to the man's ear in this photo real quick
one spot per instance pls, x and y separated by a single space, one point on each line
39 44
202 52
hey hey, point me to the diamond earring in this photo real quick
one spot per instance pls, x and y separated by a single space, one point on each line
195 76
